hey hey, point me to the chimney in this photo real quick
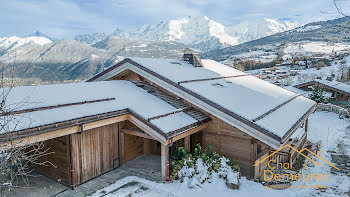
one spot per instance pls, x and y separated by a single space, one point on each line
192 58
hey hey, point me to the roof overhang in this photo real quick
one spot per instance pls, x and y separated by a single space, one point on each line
45 132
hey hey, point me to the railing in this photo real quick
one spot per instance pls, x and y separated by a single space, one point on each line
280 157
298 146
333 108
258 169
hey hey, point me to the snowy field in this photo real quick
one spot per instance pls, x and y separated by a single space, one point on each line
306 74
258 56
309 48
324 127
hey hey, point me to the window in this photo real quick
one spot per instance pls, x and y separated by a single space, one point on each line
258 149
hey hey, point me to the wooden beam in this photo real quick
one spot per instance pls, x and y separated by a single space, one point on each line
306 124
121 147
187 133
146 146
105 122
147 129
38 138
187 142
137 133
164 161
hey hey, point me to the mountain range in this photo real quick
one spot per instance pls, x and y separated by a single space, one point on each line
335 31
198 32
36 56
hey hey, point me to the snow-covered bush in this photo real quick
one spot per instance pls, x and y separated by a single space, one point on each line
199 167
317 95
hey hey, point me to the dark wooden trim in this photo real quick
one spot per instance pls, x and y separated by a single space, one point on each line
276 108
60 125
137 133
171 113
295 126
54 107
209 79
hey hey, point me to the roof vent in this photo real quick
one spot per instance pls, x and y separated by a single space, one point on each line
192 58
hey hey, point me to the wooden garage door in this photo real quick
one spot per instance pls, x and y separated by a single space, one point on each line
95 152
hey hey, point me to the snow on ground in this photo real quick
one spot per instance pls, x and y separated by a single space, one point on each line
324 127
307 47
307 28
305 75
257 56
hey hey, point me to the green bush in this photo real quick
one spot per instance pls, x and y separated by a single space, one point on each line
317 95
182 157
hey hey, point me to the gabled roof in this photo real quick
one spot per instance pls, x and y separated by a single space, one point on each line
44 105
261 109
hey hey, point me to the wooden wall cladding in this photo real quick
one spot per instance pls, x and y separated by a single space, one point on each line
232 143
95 152
133 147
59 147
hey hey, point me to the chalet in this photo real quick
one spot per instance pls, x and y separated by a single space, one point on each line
151 106
339 91
287 62
294 72
300 63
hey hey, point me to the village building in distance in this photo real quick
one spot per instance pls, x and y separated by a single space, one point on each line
151 106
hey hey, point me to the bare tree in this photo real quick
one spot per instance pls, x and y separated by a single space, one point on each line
342 7
343 72
16 160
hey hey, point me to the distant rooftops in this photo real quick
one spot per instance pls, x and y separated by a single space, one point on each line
336 85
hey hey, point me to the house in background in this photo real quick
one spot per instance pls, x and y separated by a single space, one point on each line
338 93
151 106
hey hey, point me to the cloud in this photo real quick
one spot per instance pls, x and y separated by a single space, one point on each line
64 18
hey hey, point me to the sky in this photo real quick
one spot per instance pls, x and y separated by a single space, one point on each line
67 18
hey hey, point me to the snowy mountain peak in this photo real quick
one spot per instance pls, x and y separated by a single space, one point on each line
11 43
198 32
40 34
280 26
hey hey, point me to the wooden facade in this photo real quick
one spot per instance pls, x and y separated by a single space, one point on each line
233 143
59 157
94 152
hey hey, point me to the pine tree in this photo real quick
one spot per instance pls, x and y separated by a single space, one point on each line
317 95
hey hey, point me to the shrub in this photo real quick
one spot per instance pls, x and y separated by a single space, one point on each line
317 95
185 164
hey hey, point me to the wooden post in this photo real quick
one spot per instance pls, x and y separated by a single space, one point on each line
146 146
165 161
121 146
187 143
306 124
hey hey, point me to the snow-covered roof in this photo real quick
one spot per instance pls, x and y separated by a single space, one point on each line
336 85
242 95
296 90
118 95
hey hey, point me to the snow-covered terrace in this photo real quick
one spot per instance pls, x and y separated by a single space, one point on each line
35 106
